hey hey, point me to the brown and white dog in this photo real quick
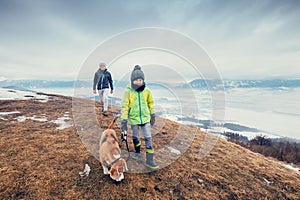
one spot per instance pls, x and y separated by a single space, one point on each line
110 154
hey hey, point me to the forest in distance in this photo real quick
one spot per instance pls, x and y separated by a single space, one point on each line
279 148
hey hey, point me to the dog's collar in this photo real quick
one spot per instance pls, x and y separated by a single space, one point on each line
113 162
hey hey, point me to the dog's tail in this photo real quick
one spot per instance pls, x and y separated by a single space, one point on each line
113 122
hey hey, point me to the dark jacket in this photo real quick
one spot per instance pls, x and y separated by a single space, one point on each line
103 80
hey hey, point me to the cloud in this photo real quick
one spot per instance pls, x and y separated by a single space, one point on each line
56 36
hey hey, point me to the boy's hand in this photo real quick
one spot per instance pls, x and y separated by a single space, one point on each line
152 119
124 125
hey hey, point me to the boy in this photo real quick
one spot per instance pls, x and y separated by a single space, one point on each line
138 110
103 80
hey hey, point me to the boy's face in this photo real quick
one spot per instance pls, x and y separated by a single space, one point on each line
138 82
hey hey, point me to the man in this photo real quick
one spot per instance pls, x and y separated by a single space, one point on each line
103 81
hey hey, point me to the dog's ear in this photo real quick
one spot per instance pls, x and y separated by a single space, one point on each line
104 139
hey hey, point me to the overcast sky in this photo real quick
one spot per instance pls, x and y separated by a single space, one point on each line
51 39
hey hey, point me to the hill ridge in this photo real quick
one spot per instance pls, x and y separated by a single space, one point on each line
39 161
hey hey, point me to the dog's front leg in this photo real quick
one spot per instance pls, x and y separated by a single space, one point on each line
105 170
126 168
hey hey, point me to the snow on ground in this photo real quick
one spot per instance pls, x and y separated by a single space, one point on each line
63 122
34 118
2 114
292 168
250 135
86 170
10 94
9 113
23 118
172 150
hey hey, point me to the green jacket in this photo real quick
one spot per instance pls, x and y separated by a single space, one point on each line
137 106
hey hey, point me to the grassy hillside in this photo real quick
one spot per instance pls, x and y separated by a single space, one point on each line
38 161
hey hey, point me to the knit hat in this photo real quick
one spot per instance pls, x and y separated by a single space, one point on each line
137 73
102 63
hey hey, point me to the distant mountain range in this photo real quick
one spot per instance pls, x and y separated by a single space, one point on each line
275 83
197 83
30 84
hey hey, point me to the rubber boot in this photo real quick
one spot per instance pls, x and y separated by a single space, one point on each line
150 162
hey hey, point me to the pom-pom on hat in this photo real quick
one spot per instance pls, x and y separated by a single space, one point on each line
137 73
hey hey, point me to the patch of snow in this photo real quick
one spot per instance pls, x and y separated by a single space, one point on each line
10 94
268 182
21 118
43 100
41 119
200 181
34 118
250 135
86 171
292 168
2 118
62 123
175 151
9 113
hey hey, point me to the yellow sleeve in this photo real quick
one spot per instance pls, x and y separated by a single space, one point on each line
125 105
150 103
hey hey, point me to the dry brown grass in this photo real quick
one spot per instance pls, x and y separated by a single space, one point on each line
37 161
